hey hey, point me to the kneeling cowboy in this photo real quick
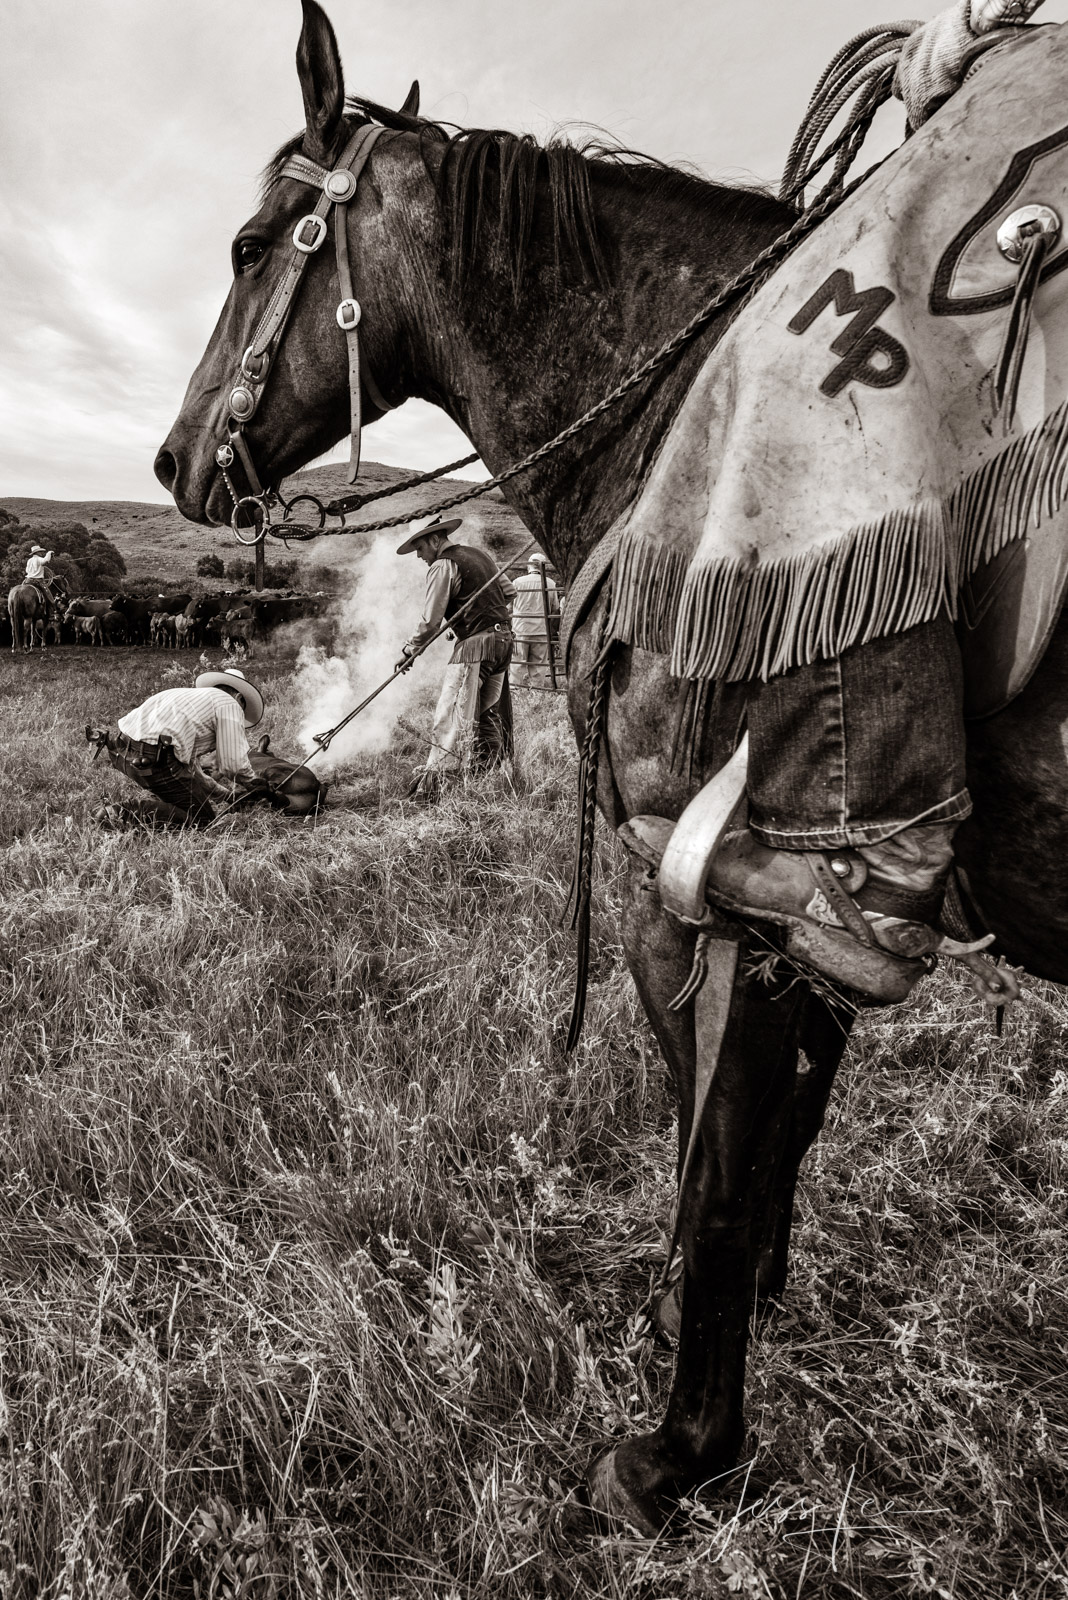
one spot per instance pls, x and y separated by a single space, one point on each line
159 745
473 715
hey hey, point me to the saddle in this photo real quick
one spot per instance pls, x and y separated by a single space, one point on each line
845 465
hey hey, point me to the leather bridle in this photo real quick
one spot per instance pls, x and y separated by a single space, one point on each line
338 185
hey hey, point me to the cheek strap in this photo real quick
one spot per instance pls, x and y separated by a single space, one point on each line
338 186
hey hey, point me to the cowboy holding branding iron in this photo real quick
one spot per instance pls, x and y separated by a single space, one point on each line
473 716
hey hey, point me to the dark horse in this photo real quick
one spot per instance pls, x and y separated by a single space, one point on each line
514 286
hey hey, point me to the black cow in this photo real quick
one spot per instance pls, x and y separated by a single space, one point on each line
138 616
280 609
238 630
206 606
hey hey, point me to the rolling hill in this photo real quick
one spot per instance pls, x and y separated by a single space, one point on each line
158 544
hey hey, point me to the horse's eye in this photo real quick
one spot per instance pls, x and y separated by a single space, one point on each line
246 254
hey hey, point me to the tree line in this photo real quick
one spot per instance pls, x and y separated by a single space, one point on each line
84 560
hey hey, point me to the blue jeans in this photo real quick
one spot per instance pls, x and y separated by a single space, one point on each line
850 752
183 789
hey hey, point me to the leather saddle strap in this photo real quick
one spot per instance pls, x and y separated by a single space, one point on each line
844 906
351 328
586 587
1010 360
237 439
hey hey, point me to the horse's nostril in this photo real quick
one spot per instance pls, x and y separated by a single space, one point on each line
166 469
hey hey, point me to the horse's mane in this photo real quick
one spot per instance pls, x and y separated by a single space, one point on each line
489 183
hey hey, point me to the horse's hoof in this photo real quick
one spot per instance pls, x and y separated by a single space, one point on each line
613 1502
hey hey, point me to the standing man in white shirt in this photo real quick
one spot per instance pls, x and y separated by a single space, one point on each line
536 607
160 745
472 722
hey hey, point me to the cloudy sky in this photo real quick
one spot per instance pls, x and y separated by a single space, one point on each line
133 132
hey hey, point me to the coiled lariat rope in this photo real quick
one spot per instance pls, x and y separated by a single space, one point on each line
862 70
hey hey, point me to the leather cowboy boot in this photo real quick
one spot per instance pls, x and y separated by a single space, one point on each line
866 917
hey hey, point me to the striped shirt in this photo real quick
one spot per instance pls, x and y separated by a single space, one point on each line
198 722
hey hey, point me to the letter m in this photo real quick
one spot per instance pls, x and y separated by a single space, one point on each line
861 341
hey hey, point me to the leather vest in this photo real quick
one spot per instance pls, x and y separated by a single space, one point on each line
491 607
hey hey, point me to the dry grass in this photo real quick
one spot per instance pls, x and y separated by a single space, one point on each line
321 1261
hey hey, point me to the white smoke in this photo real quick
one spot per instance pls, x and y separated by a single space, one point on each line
380 611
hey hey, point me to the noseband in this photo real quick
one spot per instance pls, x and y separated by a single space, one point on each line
338 185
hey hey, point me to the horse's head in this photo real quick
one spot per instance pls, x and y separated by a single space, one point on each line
300 390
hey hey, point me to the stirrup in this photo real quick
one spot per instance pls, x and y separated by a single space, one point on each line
698 834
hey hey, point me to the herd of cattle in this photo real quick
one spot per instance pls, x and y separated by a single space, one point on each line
173 621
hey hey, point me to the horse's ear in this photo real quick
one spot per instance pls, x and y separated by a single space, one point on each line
410 108
321 82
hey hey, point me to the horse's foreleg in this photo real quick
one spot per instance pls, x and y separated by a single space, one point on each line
824 1036
743 1130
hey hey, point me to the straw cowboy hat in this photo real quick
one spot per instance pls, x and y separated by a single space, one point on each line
230 678
422 528
39 550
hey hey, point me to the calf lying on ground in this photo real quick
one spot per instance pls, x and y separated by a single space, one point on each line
286 787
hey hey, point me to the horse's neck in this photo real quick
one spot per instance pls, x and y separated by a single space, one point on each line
514 375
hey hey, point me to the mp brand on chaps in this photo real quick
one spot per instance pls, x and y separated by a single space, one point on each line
477 258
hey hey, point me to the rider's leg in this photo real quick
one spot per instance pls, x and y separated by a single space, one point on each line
180 785
851 752
862 755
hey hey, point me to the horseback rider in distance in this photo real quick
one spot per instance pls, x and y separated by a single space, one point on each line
40 574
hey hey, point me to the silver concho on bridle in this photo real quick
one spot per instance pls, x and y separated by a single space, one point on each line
338 186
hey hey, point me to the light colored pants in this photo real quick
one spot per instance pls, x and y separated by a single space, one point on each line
465 722
530 663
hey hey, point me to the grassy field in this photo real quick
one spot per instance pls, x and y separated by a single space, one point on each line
321 1261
